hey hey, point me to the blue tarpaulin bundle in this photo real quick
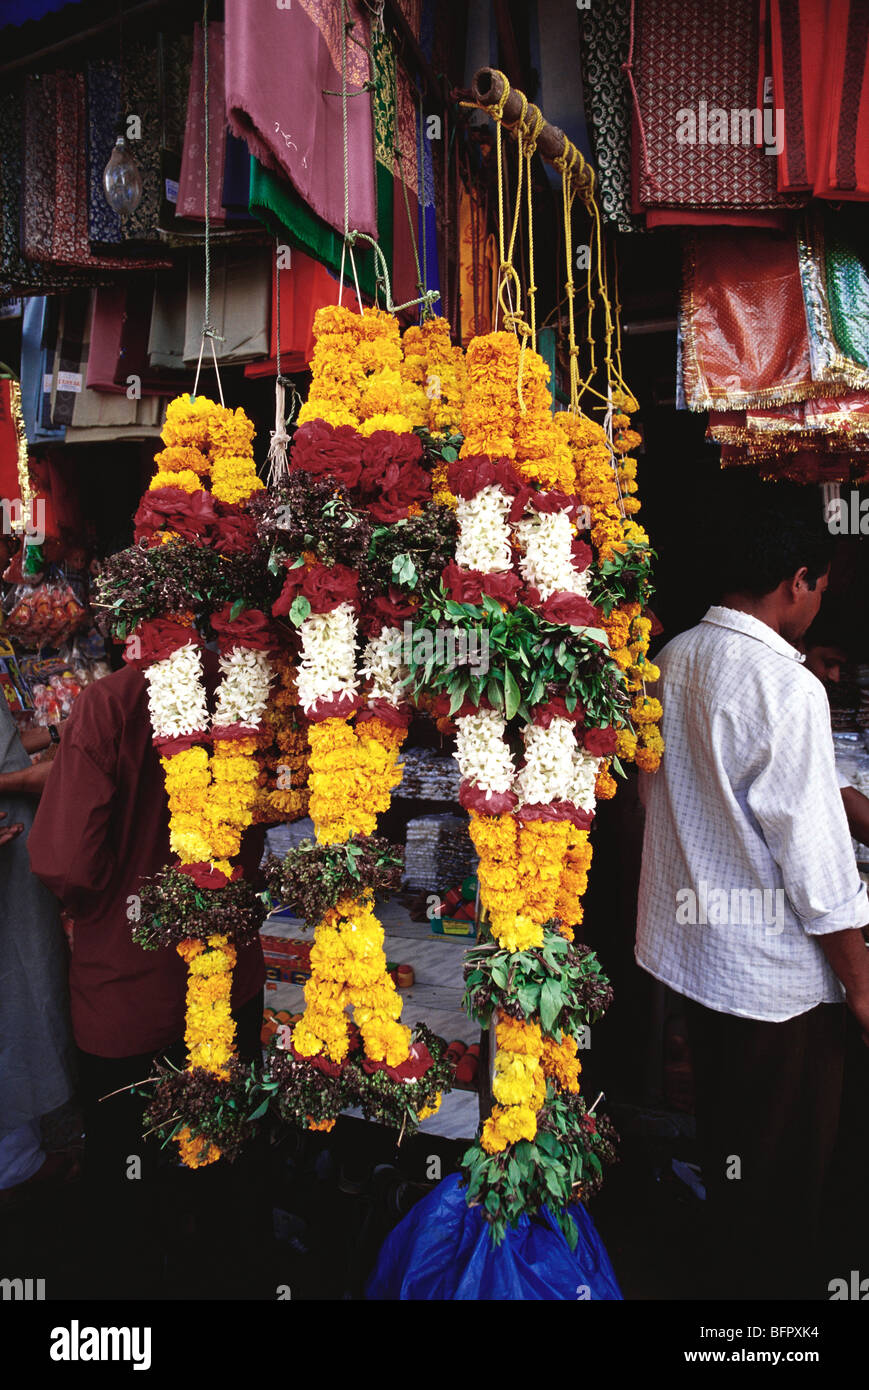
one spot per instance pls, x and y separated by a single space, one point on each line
443 1250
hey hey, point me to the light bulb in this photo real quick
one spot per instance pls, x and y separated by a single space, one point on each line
122 182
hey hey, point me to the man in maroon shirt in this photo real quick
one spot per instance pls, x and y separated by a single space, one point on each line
102 826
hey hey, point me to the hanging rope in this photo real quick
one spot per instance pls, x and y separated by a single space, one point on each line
207 327
531 131
278 466
565 163
427 297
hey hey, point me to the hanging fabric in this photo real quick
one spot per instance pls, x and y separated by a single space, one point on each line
191 183
283 68
305 287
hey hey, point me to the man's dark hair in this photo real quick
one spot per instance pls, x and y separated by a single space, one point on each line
765 532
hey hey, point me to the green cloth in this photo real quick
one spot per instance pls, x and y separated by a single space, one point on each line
848 292
384 99
279 207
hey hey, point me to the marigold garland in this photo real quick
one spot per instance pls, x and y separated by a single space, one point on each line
211 778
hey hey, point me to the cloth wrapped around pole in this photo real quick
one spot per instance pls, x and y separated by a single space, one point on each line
443 1250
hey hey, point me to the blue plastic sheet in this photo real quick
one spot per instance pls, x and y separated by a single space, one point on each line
443 1250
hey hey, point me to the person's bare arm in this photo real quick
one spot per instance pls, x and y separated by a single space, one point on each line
30 781
35 739
857 811
848 954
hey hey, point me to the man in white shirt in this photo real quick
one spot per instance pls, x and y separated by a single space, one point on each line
750 903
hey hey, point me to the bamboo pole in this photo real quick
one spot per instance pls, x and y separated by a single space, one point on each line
487 90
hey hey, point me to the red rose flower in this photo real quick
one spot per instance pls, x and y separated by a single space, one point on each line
468 476
468 586
250 628
395 716
570 609
473 798
544 714
191 514
156 639
324 586
234 534
581 555
551 502
392 476
600 742
203 875
386 610
327 451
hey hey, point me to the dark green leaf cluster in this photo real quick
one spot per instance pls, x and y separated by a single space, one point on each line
312 514
563 1164
226 1112
173 908
624 578
138 583
302 1090
313 877
560 983
411 554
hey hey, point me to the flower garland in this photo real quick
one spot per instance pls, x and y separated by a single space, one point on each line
524 572
209 763
623 563
357 456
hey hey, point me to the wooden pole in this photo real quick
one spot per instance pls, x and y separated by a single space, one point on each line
487 90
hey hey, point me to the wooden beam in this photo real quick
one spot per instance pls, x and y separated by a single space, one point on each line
488 89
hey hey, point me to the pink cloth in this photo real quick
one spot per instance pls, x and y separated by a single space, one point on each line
280 63
105 345
191 181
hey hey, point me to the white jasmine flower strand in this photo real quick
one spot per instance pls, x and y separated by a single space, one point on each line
548 772
547 563
482 751
176 695
382 664
328 665
244 690
484 536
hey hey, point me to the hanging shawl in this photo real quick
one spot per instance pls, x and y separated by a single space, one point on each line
842 169
240 298
69 228
103 113
280 65
830 361
604 49
191 183
275 203
755 324
848 293
798 33
17 273
687 52
306 286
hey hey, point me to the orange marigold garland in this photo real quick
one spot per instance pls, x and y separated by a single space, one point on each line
208 760
354 435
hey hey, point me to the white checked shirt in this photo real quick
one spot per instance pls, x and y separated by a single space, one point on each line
746 798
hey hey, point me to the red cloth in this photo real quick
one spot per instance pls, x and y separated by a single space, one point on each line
101 827
9 484
306 286
778 221
799 72
746 339
842 169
